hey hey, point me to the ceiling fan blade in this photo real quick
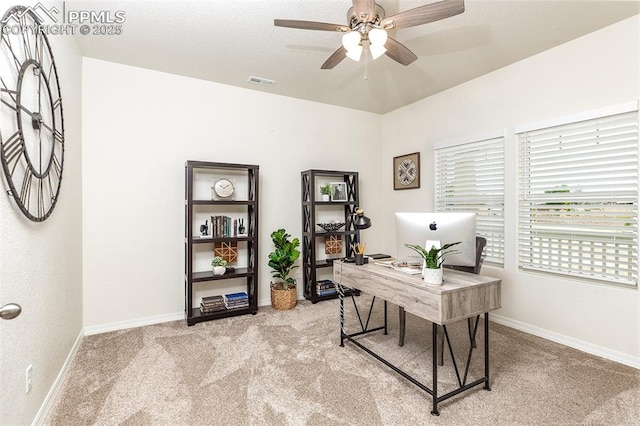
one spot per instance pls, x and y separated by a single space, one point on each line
310 25
335 58
364 9
424 14
399 52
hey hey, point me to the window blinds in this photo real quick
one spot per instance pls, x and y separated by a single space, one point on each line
578 199
470 178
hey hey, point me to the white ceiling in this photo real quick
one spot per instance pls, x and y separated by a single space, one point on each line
226 41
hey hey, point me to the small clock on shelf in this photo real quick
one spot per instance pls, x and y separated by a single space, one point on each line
223 189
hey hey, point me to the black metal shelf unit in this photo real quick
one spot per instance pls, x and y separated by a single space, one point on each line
310 204
250 204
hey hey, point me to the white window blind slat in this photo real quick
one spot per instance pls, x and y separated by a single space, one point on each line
469 177
578 199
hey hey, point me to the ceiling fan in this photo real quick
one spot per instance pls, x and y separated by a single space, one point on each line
368 26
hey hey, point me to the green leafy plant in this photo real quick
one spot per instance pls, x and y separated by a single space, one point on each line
218 261
434 257
325 189
282 259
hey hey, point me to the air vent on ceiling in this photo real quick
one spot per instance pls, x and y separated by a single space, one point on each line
260 80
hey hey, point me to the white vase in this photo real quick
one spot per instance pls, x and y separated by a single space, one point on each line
324 197
432 276
219 270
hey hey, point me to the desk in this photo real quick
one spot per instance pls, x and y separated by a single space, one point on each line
462 296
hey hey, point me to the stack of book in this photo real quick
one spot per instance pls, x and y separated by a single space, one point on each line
236 300
212 304
224 227
325 287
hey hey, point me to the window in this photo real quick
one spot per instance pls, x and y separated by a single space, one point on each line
578 197
470 178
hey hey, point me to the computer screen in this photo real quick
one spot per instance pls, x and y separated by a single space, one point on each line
416 228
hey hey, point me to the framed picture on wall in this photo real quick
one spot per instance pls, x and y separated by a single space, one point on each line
338 191
406 171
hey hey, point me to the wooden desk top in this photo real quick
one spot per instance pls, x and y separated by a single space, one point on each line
462 295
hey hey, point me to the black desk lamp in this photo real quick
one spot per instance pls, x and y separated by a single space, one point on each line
361 222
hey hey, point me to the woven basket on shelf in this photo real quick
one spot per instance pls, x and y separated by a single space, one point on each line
283 300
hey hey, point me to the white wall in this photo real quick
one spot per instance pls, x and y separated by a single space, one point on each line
41 269
595 71
140 127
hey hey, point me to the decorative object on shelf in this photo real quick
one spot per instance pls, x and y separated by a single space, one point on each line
406 171
204 228
32 125
325 192
332 245
338 191
223 189
434 257
219 264
331 226
362 221
228 250
241 227
282 262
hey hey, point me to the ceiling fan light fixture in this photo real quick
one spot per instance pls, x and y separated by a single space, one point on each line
378 36
377 50
351 40
355 53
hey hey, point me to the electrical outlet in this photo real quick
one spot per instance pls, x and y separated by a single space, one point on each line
29 378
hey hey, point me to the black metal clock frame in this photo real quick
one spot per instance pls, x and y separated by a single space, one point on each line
31 114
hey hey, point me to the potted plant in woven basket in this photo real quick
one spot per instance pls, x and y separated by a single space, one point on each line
433 260
282 262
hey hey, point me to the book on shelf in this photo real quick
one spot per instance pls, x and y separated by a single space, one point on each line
224 227
326 292
211 310
236 296
236 300
211 304
325 284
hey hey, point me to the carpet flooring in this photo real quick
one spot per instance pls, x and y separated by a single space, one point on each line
287 368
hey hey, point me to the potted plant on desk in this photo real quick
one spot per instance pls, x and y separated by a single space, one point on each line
433 260
282 262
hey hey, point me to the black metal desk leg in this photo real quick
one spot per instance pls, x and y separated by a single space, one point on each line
486 351
434 367
402 318
341 297
385 317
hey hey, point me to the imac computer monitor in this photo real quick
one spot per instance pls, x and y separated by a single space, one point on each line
417 228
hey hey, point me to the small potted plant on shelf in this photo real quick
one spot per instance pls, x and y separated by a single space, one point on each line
433 260
325 192
219 265
282 262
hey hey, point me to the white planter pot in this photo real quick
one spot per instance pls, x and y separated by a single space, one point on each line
324 197
432 276
219 270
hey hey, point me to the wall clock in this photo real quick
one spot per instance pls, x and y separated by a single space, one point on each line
223 189
31 118
406 171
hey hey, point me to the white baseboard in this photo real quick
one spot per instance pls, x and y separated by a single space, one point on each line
581 345
138 322
57 384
